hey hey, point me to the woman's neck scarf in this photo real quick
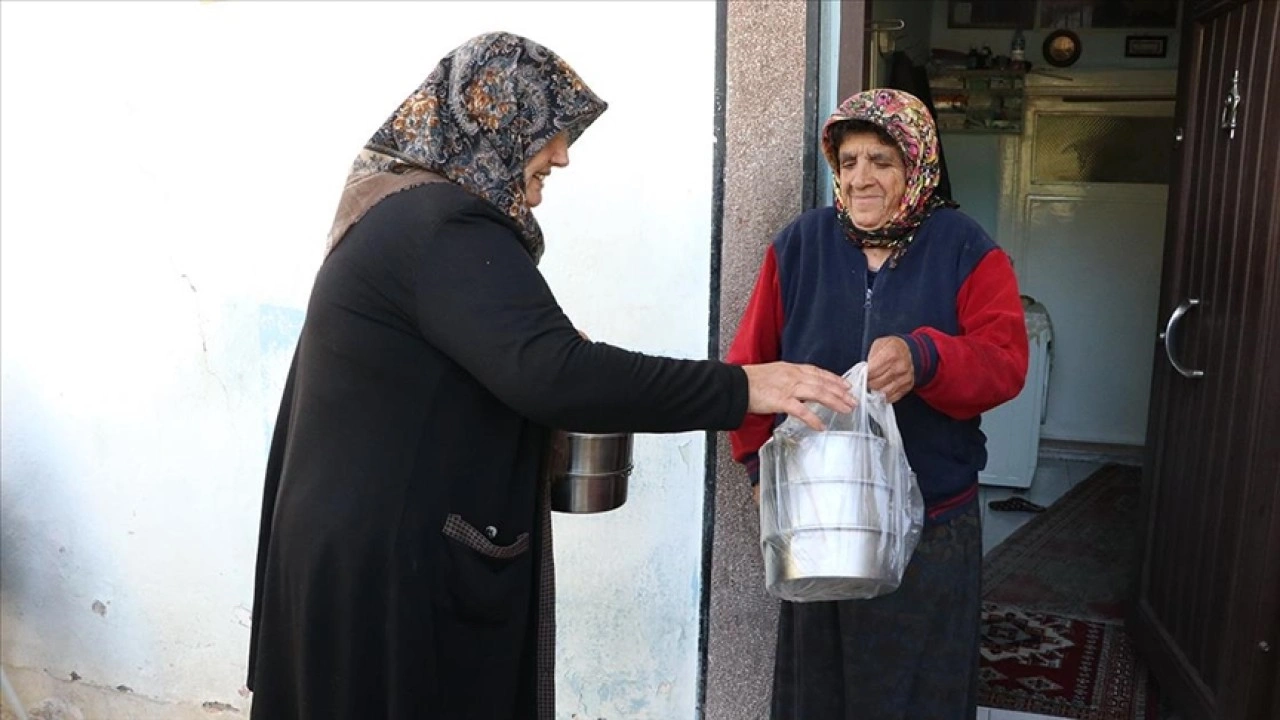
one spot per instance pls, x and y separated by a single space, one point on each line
907 120
478 118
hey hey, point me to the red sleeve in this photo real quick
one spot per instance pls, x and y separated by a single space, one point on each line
985 365
759 340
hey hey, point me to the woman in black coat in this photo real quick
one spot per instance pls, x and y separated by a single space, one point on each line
404 565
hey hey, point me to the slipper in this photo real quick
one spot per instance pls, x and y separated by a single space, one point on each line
1015 503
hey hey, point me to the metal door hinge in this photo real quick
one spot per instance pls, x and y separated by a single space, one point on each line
1230 105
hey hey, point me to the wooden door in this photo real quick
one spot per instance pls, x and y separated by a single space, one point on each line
1207 616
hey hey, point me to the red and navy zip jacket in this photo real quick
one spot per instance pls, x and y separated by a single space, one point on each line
953 298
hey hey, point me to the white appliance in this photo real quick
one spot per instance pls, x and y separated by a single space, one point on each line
1083 223
1013 429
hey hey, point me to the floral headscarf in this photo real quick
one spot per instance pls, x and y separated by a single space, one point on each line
478 118
907 120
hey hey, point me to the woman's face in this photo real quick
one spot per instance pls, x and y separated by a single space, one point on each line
554 154
873 178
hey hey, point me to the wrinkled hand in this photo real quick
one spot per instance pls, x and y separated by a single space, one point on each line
785 387
889 368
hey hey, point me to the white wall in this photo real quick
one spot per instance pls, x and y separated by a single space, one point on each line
974 167
169 173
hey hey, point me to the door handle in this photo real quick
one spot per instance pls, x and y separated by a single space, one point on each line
1230 105
1167 336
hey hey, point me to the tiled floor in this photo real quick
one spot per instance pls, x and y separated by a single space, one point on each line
1053 479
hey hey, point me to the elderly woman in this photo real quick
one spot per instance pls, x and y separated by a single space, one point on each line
404 566
894 276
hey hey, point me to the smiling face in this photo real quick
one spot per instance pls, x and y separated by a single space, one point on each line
552 155
873 178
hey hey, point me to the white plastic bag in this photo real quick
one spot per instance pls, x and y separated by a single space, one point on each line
840 510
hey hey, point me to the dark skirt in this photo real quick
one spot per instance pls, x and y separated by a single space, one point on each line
908 655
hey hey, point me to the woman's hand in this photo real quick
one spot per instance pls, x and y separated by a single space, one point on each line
889 368
785 387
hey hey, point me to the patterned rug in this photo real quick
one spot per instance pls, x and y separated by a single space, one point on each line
1055 593
1076 558
1064 667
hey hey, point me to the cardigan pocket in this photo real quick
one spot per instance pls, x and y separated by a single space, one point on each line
485 578
459 530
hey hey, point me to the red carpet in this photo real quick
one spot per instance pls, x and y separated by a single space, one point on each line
1052 665
1053 640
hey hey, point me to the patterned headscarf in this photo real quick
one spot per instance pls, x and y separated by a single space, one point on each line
478 118
907 120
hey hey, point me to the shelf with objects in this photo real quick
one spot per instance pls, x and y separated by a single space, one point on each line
986 100
979 91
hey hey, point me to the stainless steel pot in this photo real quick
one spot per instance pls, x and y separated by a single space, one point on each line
829 518
593 476
847 561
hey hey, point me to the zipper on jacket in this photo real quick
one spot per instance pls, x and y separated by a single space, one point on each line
866 306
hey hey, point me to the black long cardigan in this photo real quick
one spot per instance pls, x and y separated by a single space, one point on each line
397 568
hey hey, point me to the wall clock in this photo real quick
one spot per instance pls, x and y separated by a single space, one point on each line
1062 48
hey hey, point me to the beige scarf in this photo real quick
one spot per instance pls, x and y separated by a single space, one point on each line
363 193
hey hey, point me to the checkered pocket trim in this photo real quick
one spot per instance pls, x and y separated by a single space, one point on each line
462 531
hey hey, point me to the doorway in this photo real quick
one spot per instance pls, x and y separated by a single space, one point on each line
1070 177
1082 206
1204 593
1068 169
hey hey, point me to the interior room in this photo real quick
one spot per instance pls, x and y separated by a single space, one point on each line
1056 124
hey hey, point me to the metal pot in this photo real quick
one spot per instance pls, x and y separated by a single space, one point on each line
843 561
833 480
834 503
829 525
593 476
